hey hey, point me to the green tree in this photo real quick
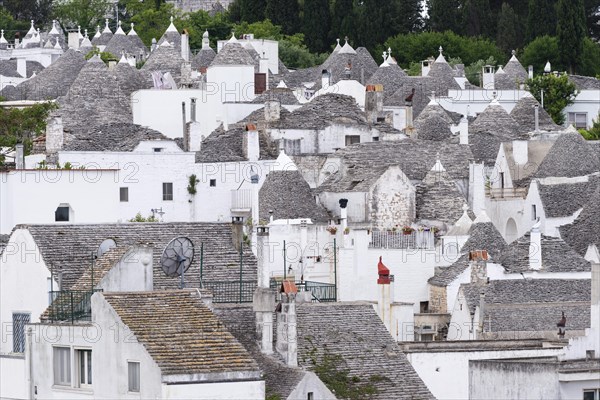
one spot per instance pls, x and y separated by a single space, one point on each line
594 132
405 16
285 13
11 26
316 24
342 20
85 13
152 23
541 19
478 18
445 15
219 27
592 12
22 126
252 10
509 33
571 31
541 50
590 63
559 92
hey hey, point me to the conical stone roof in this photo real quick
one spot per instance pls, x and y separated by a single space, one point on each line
165 59
390 77
570 156
524 115
204 58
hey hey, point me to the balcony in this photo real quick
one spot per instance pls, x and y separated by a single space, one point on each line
506 193
399 240
70 306
241 201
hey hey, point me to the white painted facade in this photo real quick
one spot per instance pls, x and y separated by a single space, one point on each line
32 196
445 371
586 102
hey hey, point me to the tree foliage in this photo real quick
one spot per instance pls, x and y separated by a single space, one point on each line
559 92
22 126
541 19
445 15
571 31
316 24
594 132
285 13
84 13
509 34
12 26
419 46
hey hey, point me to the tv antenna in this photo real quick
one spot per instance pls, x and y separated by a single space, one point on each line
177 257
105 246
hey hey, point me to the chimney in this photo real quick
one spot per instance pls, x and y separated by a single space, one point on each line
343 214
254 179
272 110
193 109
530 71
185 47
73 40
263 68
463 129
481 310
488 80
195 137
478 263
477 187
303 245
251 143
425 67
287 336
535 247
593 256
537 117
386 289
22 67
20 156
520 152
263 302
373 102
237 227
325 79
54 135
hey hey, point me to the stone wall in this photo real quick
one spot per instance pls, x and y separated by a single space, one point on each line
392 200
438 299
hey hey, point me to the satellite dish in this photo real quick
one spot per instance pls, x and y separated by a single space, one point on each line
105 246
177 257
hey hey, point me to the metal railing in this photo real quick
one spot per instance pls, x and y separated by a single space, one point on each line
399 240
241 199
320 292
506 193
71 305
231 292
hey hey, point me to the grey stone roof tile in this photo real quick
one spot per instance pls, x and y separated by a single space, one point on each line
164 59
226 146
67 248
557 256
232 54
283 95
565 199
390 77
288 196
433 123
354 335
585 82
438 198
524 115
111 137
531 304
128 44
51 82
363 66
584 230
570 156
180 333
203 59
129 78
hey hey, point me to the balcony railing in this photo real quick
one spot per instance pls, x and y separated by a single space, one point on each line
231 292
506 193
241 199
400 240
320 292
71 305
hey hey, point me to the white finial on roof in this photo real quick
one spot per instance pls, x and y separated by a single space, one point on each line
85 34
31 29
53 31
438 167
233 39
32 25
205 34
347 49
205 40
462 225
482 218
97 34
106 28
284 163
548 67
171 27
79 32
120 30
2 39
390 59
57 45
592 254
441 50
494 99
282 85
48 44
385 58
433 102
337 46
132 32
441 57
123 59
500 70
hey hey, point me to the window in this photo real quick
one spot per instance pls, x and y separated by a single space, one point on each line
61 214
133 372
213 183
591 394
311 396
376 139
291 147
124 194
424 307
84 367
157 149
19 321
579 120
352 139
167 191
62 366
533 212
502 180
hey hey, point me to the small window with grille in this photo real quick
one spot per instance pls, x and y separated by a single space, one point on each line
19 322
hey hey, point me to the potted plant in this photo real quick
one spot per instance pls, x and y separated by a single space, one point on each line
346 231
407 230
332 229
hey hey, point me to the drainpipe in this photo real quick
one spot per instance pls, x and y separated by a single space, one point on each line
30 359
537 118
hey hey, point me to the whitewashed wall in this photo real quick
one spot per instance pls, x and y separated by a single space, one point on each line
587 101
